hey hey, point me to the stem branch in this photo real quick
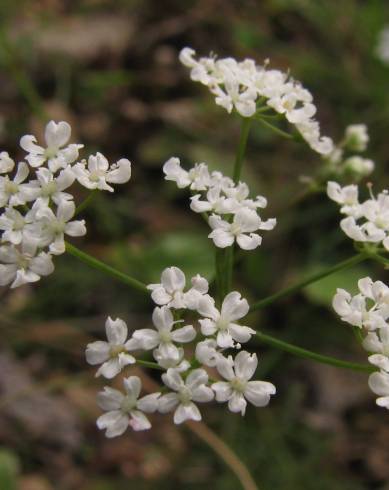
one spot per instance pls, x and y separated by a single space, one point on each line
309 280
107 269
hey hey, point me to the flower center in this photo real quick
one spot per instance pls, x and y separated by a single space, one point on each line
115 350
165 336
11 187
185 395
128 404
51 152
238 384
49 189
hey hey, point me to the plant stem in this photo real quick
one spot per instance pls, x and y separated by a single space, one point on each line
230 458
149 364
274 128
107 269
380 259
224 259
309 280
85 203
244 134
307 354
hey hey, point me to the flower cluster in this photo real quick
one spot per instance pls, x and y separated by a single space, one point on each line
247 88
185 378
366 222
37 209
342 162
369 311
231 214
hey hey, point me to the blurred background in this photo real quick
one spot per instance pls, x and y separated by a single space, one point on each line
110 68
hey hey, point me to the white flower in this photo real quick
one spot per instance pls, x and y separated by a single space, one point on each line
127 409
180 364
22 266
6 163
13 224
98 173
214 202
240 85
57 153
378 342
346 196
382 49
163 337
244 223
113 355
206 352
353 310
50 229
237 389
223 324
14 192
379 384
193 389
197 178
51 187
356 137
359 166
170 291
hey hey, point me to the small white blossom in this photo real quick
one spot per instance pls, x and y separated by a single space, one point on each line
359 166
382 49
113 355
207 353
6 163
197 178
126 409
170 291
51 187
237 389
354 309
193 389
98 173
163 337
379 384
241 229
20 266
222 323
15 192
356 137
50 229
57 153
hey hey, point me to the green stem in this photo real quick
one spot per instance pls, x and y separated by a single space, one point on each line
309 280
244 134
274 128
85 203
21 80
149 364
380 259
107 269
307 354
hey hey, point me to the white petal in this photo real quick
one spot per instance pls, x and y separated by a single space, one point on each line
138 421
184 334
163 318
121 174
114 422
221 238
132 385
149 403
222 390
97 352
245 365
234 306
249 242
258 392
116 331
109 399
237 403
188 411
109 369
167 402
173 279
